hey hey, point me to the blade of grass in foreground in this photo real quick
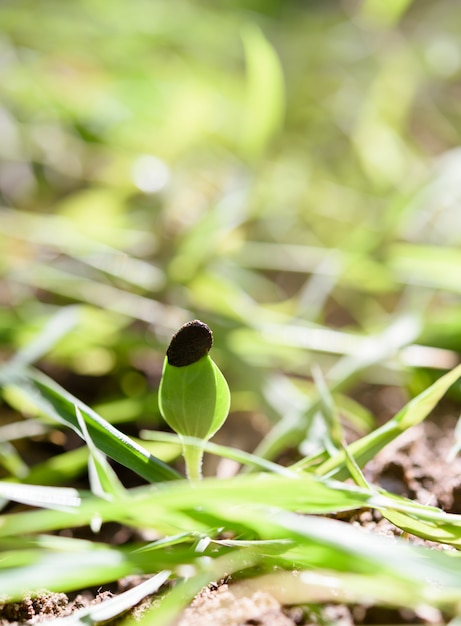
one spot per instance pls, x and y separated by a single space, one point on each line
332 544
344 563
48 398
252 506
63 498
85 565
109 609
306 493
104 482
62 572
177 506
441 531
364 449
417 519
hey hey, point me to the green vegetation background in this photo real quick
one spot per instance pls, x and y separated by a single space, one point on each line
285 171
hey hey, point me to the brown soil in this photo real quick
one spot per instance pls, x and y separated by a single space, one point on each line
417 465
46 606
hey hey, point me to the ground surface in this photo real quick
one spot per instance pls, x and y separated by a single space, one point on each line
417 465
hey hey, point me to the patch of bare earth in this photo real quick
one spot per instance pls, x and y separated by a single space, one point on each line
223 606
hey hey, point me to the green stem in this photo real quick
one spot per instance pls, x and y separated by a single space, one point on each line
193 456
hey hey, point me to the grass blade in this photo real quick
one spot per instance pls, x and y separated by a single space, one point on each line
364 449
109 609
265 92
50 497
56 403
242 457
103 480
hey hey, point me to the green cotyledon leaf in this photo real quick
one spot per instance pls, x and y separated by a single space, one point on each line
194 400
194 397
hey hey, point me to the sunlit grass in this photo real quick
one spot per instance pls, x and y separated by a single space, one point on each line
267 516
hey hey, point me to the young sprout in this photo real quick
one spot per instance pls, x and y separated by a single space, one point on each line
194 397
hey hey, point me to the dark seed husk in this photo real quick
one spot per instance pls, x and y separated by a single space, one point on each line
192 342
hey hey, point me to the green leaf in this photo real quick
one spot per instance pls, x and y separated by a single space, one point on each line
194 400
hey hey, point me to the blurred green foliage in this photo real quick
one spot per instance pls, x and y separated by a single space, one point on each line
286 171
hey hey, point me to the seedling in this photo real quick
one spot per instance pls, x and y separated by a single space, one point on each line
194 397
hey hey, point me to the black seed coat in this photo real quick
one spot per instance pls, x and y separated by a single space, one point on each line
189 344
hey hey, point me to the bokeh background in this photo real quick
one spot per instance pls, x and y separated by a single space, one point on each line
287 171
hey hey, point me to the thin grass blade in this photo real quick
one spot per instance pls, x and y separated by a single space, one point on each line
109 609
364 449
103 480
53 401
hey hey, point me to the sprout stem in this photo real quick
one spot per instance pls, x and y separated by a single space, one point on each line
193 456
